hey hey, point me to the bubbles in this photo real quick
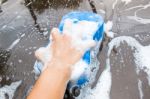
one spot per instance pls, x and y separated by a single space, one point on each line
9 90
103 86
20 61
30 53
108 29
126 1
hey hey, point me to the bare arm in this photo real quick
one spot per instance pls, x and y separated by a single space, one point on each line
51 84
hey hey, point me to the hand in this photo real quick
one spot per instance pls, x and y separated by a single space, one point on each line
62 49
63 53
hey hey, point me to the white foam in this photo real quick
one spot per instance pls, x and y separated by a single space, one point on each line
140 20
18 17
81 34
3 27
140 89
45 33
141 53
108 29
81 30
20 61
22 35
101 90
101 11
114 4
142 60
15 42
10 90
0 2
78 69
135 17
126 1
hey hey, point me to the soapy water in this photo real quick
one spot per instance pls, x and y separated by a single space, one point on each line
108 29
126 1
139 19
104 84
140 89
7 91
139 8
15 42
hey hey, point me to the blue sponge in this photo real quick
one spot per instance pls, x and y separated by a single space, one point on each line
91 22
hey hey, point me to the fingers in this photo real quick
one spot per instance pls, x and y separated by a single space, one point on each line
88 44
55 34
67 27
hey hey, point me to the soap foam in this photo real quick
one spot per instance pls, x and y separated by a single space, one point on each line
108 29
116 1
9 90
15 42
81 33
140 89
126 1
103 87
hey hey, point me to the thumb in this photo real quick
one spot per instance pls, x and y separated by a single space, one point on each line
39 54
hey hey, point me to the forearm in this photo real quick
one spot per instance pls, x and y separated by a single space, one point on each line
51 83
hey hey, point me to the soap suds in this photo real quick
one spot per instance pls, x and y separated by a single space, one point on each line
141 53
76 71
108 29
116 1
140 20
81 29
3 27
9 90
135 17
114 4
103 86
15 42
81 33
126 1
20 61
140 89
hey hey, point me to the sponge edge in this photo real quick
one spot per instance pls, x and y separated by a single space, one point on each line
78 70
82 26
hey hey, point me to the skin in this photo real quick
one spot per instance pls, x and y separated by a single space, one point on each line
53 80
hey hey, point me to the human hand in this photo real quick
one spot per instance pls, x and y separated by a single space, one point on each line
62 51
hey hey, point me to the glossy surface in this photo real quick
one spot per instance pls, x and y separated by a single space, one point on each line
25 26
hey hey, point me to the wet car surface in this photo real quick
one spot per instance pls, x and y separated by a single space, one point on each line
25 26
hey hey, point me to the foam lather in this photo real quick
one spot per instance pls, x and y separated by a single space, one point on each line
90 27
